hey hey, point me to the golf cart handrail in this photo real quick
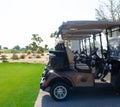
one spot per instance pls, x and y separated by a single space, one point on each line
79 34
74 37
81 31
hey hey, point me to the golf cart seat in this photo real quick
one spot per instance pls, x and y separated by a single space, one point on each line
72 63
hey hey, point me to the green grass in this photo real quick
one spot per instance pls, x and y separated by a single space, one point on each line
19 84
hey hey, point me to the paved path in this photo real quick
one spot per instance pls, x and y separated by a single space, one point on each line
88 97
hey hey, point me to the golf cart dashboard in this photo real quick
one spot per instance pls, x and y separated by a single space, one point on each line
115 58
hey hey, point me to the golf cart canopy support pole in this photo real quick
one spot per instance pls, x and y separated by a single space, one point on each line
82 45
110 32
108 48
94 39
79 46
101 45
89 44
85 45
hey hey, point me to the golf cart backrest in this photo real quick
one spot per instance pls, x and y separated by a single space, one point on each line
68 54
58 58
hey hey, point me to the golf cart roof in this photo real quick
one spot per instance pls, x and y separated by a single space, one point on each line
89 25
84 29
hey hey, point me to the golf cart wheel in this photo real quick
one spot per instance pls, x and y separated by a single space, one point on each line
59 91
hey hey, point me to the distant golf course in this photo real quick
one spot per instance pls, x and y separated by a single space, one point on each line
19 84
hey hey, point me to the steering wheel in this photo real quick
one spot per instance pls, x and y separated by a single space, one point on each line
94 52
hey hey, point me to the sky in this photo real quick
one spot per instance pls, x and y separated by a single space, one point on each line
19 19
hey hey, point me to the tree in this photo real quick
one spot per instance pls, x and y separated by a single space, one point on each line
53 34
17 47
109 10
4 58
0 47
26 47
33 46
46 47
40 50
5 48
36 40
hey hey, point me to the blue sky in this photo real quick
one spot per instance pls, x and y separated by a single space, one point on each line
19 19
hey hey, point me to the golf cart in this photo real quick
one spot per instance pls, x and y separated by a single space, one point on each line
65 72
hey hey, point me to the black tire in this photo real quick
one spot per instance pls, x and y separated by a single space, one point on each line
59 91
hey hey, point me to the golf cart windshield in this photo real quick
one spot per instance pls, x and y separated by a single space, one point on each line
115 47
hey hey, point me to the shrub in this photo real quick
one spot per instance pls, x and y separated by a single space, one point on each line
38 56
40 50
42 54
1 51
14 51
29 56
22 56
29 52
4 58
14 57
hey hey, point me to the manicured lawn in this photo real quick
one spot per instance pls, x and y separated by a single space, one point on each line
19 84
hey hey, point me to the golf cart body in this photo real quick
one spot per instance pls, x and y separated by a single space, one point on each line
65 72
